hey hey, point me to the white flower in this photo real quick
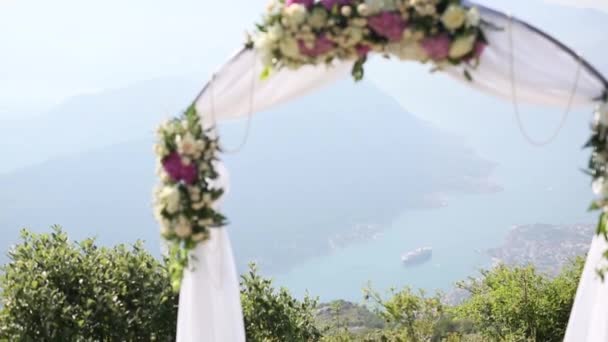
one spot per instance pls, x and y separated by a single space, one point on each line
461 46
275 32
295 14
289 47
198 237
186 145
601 114
161 150
207 199
318 18
262 42
375 6
600 158
600 187
363 10
473 17
183 229
351 36
408 50
453 17
170 196
165 227
346 11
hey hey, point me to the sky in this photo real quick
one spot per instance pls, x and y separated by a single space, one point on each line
52 50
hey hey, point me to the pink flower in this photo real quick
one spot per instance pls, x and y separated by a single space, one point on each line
306 3
388 24
322 46
437 47
178 171
363 50
329 4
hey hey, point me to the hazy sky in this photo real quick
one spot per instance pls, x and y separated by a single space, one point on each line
55 49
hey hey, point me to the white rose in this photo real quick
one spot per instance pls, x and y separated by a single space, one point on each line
410 50
165 227
601 114
318 18
186 145
289 47
473 17
453 17
352 36
161 150
207 199
295 14
183 228
170 196
275 32
461 46
363 10
263 42
346 11
600 187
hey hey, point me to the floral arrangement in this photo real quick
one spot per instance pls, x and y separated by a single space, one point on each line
184 200
300 32
598 169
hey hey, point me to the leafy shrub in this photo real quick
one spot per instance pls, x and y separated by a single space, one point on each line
55 290
519 304
272 315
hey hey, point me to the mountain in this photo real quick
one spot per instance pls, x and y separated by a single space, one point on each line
310 170
92 121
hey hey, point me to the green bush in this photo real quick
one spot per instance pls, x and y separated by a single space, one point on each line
55 290
272 315
519 304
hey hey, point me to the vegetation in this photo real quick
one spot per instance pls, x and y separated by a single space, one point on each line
521 304
55 290
272 315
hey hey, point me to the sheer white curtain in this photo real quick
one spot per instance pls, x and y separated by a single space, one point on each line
544 72
209 301
589 317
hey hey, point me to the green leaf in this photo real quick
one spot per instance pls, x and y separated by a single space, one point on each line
265 73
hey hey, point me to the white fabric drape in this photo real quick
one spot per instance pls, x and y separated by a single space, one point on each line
209 300
589 317
545 73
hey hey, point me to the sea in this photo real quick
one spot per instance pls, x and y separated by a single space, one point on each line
540 185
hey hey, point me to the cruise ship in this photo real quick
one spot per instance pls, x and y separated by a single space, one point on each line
417 256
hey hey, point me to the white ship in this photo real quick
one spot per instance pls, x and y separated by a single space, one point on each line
417 256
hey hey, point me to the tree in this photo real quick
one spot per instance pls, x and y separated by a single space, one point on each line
520 304
55 290
272 315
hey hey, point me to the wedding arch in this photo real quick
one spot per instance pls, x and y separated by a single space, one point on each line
302 45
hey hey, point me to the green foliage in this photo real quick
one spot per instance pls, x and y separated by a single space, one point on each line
414 316
272 315
55 290
341 317
520 304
